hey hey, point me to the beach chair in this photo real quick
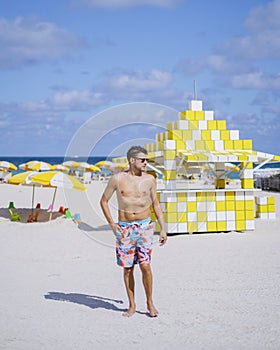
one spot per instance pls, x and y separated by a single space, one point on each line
68 214
62 210
50 208
77 218
34 218
14 216
11 205
86 178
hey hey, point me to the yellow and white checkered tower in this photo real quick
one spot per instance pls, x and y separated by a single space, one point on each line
196 137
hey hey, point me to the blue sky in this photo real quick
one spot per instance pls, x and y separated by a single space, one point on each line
63 62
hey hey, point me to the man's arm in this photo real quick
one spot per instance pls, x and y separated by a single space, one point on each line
159 213
104 203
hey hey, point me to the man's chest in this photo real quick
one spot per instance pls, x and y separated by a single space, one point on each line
137 188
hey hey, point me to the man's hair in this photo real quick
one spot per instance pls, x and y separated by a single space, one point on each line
134 150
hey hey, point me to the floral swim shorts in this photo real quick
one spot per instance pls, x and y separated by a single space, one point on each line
134 243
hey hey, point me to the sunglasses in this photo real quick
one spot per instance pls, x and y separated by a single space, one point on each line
143 159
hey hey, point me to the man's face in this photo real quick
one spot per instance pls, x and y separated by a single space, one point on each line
140 161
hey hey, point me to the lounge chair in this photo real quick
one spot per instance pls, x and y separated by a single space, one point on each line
68 214
50 208
34 218
62 210
14 216
11 205
77 218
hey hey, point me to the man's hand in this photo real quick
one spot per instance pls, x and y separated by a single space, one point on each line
162 238
116 227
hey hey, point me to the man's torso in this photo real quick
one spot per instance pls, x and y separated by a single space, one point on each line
134 196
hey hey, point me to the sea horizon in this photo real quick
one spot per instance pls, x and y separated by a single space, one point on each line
17 160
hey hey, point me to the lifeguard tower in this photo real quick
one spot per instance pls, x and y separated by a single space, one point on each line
204 199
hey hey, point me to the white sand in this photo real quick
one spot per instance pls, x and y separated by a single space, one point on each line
61 288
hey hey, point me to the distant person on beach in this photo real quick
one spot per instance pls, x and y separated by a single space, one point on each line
136 192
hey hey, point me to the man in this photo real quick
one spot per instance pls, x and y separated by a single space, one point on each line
136 192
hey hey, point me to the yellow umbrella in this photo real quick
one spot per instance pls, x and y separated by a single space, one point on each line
71 164
60 167
58 179
7 165
84 166
36 165
24 179
104 164
94 169
231 167
120 166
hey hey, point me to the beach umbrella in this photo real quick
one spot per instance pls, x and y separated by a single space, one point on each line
58 179
101 162
36 165
24 179
120 166
84 166
7 165
106 164
71 164
231 167
94 169
60 167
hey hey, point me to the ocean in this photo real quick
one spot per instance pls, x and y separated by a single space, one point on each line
92 160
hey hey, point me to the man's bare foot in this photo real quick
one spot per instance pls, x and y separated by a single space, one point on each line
153 312
130 312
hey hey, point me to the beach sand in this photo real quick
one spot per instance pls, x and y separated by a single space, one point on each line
61 287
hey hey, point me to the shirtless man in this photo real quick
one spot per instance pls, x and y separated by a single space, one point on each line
136 192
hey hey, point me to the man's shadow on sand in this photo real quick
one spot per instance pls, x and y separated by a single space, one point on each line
86 227
91 301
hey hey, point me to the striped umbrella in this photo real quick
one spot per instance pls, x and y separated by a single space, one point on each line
120 166
231 167
57 179
24 179
84 166
36 165
71 164
7 165
106 164
60 167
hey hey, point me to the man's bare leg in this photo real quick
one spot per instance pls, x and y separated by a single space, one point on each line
147 279
129 285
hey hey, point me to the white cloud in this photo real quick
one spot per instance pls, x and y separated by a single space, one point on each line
55 119
224 64
138 81
78 100
264 16
128 3
191 67
262 45
238 62
154 86
24 41
256 80
263 37
130 86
